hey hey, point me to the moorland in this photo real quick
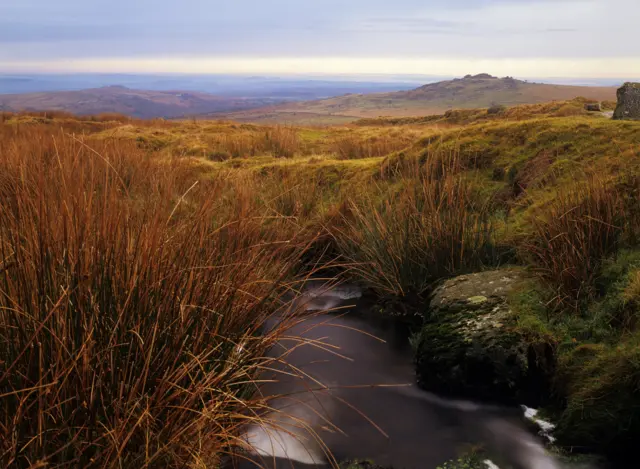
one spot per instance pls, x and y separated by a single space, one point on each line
138 257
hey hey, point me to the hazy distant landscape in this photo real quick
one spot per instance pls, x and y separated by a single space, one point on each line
435 98
130 102
307 86
170 96
259 99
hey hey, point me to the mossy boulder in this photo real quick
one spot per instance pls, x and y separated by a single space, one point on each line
471 347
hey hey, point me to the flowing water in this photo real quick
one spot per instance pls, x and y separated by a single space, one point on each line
347 382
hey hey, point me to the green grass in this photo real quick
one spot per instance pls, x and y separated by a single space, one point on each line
597 378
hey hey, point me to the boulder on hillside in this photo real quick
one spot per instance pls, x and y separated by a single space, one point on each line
628 102
471 348
593 107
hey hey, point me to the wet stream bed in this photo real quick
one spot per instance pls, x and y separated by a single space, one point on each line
349 382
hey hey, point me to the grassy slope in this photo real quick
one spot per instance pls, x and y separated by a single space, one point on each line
467 93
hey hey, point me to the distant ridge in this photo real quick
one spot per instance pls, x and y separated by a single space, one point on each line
135 103
472 91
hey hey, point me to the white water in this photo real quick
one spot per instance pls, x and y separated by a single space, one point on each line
321 298
267 441
546 428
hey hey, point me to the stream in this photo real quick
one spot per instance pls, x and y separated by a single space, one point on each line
350 384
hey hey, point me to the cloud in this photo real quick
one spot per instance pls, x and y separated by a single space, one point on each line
73 30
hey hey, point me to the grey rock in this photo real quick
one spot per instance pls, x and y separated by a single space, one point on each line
471 347
628 102
593 107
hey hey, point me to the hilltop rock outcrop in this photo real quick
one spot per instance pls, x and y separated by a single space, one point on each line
628 102
480 76
471 347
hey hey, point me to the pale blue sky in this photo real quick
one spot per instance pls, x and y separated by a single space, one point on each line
563 37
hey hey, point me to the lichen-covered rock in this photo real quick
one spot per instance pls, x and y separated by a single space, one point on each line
628 102
471 348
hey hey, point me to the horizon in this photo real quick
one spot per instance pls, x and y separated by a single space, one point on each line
371 77
523 38
335 67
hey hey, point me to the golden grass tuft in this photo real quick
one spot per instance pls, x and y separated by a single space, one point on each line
572 235
282 141
434 227
132 299
351 145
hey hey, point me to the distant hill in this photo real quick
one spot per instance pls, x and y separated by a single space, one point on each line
297 88
136 103
464 93
478 91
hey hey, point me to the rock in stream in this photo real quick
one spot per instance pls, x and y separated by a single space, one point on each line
471 347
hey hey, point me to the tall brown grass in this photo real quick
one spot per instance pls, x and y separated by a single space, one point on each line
282 141
351 146
435 226
278 141
130 306
572 235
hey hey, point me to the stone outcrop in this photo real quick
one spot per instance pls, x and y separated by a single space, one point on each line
628 102
593 107
471 348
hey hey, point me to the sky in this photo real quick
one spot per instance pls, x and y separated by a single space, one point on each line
562 38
